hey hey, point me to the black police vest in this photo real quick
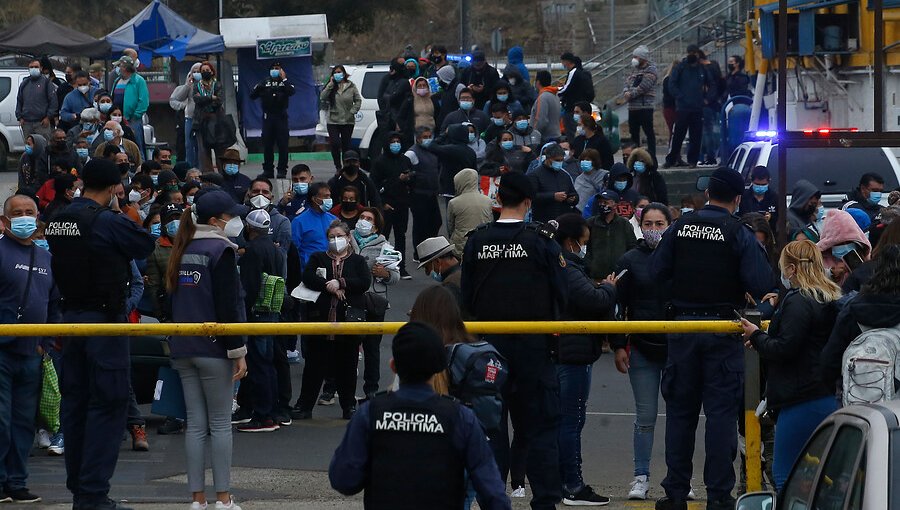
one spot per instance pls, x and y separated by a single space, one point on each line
88 278
511 282
707 268
413 463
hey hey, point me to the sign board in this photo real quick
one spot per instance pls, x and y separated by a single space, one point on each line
283 47
497 40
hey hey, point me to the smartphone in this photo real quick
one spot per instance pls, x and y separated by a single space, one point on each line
621 274
738 315
853 260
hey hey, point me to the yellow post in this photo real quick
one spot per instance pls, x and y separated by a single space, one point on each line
752 434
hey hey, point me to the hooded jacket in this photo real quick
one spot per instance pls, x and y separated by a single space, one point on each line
599 143
512 102
589 184
347 102
386 173
469 209
487 76
547 182
418 110
393 92
587 301
641 85
841 228
692 85
34 168
181 98
520 87
454 153
650 182
797 217
545 114
627 197
515 57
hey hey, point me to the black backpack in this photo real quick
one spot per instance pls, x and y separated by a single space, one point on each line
477 375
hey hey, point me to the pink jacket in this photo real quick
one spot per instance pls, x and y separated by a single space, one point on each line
841 228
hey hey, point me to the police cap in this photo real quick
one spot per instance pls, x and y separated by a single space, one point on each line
418 352
729 178
518 183
99 173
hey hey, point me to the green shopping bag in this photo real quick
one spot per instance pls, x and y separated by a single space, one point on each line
48 408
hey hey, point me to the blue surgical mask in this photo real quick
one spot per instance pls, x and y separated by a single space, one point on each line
108 135
874 197
300 188
23 226
841 250
426 142
586 165
576 118
785 281
172 227
274 73
556 165
620 185
327 204
820 213
503 98
34 72
190 199
156 229
338 77
105 107
197 76
231 168
471 137
155 179
82 152
42 243
760 189
521 125
507 144
29 150
87 126
395 147
437 276
466 105
639 167
496 121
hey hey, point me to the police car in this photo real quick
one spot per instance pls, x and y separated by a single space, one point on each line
852 462
835 171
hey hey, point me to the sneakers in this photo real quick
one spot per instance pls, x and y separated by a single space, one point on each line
348 413
258 426
171 426
640 487
293 356
519 492
139 439
57 445
199 506
404 275
327 399
43 439
585 497
284 420
665 503
299 414
231 505
22 496
241 417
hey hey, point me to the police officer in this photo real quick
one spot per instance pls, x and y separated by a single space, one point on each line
275 93
93 244
713 260
514 271
409 449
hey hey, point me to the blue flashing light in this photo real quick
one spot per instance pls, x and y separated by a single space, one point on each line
765 134
468 58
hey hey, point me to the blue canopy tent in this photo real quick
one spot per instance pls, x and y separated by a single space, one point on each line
158 31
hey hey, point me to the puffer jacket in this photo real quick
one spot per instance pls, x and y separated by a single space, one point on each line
347 102
641 298
650 183
792 347
469 209
641 85
587 301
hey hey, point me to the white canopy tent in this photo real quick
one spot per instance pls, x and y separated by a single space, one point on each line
243 32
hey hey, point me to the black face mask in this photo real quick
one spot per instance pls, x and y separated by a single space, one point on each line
731 67
692 59
604 209
206 75
351 170
124 168
348 206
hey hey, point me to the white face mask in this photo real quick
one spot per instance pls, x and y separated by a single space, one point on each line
234 227
77 193
84 89
260 202
635 62
134 196
364 227
337 244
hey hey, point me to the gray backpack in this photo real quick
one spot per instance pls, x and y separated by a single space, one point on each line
870 371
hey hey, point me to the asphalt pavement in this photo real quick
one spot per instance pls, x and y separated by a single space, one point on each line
287 469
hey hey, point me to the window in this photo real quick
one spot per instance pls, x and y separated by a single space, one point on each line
735 160
838 477
834 170
750 163
797 490
371 82
5 87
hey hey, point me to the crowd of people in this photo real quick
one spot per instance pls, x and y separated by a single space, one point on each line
542 223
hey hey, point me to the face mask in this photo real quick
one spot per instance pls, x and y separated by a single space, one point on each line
29 150
82 152
585 165
42 243
300 188
137 63
521 125
34 72
231 168
760 189
155 179
692 59
124 168
639 167
874 197
841 250
652 237
512 81
337 244
206 75
471 137
567 152
437 276
134 196
197 76
785 281
108 135
576 118
422 92
156 230
84 89
233 227
77 193
87 126
348 206
260 202
274 73
395 147
327 204
117 118
23 226
466 105
635 62
579 130
604 209
506 144
556 165
582 251
620 185
172 228
820 213
338 77
502 97
496 121
364 227
117 71
426 142
685 210
105 107
190 199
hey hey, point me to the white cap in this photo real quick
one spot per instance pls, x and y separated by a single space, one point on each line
258 218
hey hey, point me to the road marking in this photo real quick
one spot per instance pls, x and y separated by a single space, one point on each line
625 414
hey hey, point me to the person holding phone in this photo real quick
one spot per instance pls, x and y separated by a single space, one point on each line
341 101
844 246
790 352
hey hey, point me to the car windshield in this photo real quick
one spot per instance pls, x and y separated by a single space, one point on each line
834 170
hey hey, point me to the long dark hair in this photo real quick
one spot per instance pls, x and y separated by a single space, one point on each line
890 236
437 307
186 230
886 279
333 92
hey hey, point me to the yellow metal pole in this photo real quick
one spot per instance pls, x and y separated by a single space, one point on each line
752 433
361 328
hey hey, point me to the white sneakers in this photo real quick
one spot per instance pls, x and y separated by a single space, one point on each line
198 506
519 492
640 487
43 439
230 506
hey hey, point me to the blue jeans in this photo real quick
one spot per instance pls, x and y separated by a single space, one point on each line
795 426
574 388
137 126
645 376
190 143
261 370
20 386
